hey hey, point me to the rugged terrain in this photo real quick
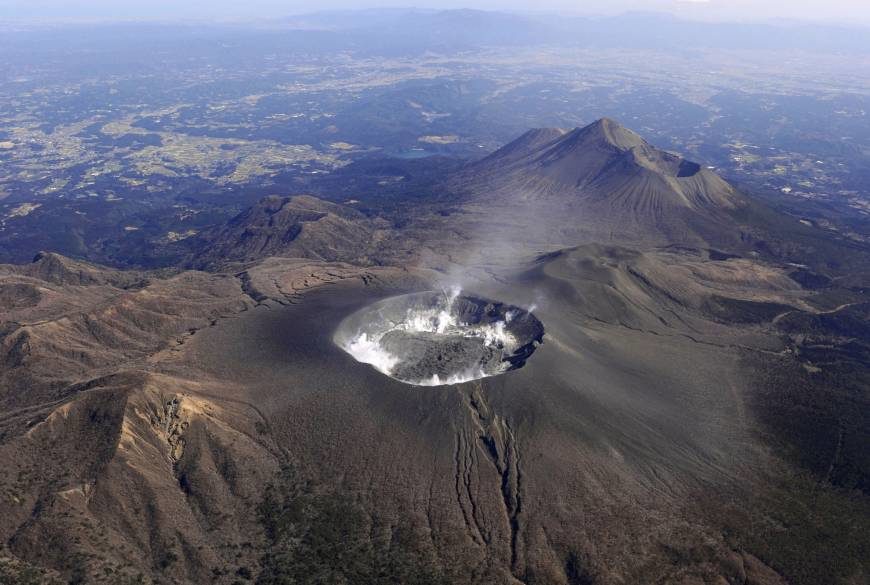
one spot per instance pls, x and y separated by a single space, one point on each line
697 413
301 226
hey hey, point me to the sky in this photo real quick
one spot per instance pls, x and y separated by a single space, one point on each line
844 11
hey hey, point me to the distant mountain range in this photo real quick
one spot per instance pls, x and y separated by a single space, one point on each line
452 30
414 31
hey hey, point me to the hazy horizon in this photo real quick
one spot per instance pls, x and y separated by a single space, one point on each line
834 11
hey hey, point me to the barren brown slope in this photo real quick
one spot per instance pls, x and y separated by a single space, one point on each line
219 436
114 471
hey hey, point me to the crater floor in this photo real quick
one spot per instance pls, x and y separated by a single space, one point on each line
439 337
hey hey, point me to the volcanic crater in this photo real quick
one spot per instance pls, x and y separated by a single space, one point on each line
440 337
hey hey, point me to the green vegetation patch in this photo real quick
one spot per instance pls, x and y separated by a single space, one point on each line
317 538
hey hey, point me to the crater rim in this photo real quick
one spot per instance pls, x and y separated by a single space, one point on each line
440 337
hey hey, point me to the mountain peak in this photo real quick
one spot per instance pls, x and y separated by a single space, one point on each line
613 179
603 133
588 155
611 133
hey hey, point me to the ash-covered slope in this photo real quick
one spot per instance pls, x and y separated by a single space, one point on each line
298 226
119 461
201 428
609 184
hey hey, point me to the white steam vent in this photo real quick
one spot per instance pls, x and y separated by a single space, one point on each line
437 338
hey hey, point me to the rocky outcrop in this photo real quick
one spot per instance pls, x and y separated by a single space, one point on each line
300 226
